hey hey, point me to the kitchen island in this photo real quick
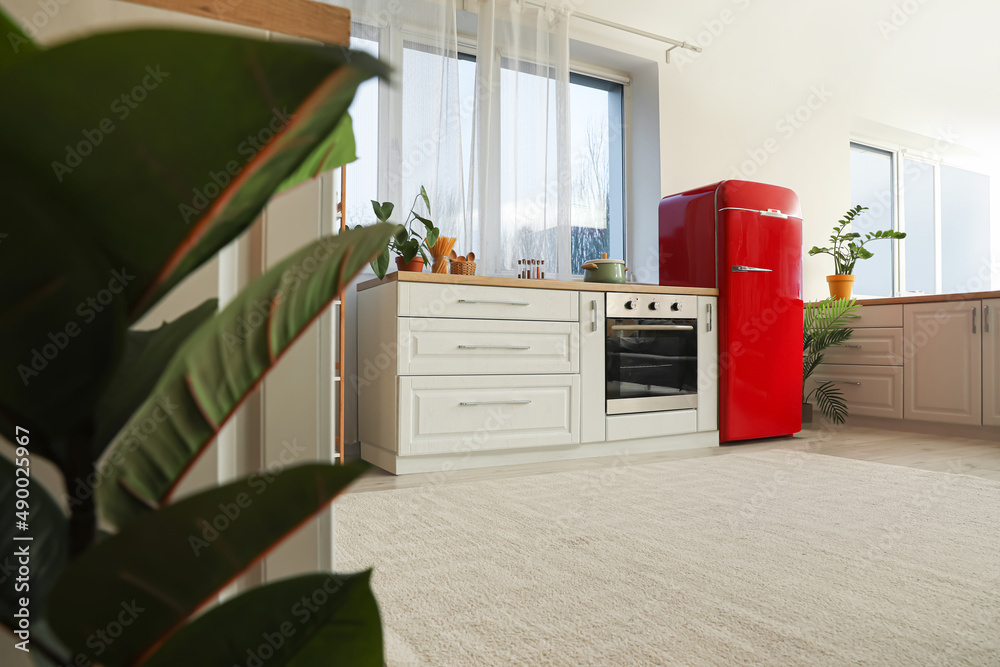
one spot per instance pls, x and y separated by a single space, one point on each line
470 371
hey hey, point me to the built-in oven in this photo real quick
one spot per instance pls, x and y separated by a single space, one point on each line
651 353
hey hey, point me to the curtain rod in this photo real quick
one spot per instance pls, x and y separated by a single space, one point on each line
674 44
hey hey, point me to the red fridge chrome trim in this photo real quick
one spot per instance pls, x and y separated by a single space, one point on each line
745 239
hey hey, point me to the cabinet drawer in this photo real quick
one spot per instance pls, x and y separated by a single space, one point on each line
431 346
455 415
873 347
494 303
873 391
652 424
879 316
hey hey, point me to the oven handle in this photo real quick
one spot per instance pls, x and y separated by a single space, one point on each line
652 327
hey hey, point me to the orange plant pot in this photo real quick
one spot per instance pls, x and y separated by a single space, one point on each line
416 264
841 286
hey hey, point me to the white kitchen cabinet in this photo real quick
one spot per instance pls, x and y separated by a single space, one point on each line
592 392
991 362
439 346
943 355
462 372
708 366
457 415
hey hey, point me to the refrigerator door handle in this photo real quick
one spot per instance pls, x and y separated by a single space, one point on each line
774 213
749 269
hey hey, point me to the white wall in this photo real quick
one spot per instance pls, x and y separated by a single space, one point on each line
863 63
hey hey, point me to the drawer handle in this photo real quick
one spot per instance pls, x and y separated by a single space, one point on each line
986 319
496 303
494 347
652 327
514 402
839 382
708 327
973 320
856 347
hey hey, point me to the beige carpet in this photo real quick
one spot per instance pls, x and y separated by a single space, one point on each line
772 558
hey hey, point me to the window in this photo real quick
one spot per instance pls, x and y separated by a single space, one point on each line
596 148
362 175
944 210
598 163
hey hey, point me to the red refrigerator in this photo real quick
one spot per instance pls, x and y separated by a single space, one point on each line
745 239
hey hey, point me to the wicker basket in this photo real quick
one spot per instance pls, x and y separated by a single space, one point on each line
463 268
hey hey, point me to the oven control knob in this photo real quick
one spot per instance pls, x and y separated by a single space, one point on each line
654 305
631 304
675 305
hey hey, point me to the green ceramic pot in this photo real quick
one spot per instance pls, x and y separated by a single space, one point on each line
604 270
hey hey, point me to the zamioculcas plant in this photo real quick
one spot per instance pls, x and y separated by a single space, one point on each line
825 326
107 206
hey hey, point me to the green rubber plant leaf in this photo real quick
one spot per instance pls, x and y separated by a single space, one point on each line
315 619
162 146
61 324
221 363
146 355
17 44
47 550
155 574
337 150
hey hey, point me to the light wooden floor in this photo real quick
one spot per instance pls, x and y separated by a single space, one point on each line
968 456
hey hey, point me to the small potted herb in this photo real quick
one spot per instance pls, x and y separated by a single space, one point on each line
408 243
847 250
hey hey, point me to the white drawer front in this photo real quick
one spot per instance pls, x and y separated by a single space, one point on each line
455 415
494 303
879 316
872 391
871 347
431 346
652 424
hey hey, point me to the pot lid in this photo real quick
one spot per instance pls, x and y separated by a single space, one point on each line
604 260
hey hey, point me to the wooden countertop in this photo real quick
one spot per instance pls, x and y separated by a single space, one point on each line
578 285
930 298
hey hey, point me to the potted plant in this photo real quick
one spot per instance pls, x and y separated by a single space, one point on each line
847 250
823 327
407 243
127 410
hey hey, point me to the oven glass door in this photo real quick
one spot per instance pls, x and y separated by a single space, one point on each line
651 365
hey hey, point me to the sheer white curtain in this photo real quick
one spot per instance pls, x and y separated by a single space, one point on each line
480 117
521 183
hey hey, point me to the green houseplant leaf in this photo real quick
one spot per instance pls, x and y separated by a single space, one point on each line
160 570
18 44
337 150
48 548
143 114
60 322
344 629
146 355
222 362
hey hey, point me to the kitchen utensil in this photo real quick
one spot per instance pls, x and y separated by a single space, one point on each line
472 256
604 270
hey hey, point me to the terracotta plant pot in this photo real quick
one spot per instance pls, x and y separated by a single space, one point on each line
416 264
840 286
